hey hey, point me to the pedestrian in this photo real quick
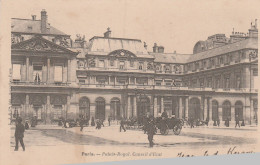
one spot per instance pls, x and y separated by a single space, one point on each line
81 123
218 122
102 122
122 125
237 122
92 121
109 120
26 124
98 123
19 134
191 122
151 131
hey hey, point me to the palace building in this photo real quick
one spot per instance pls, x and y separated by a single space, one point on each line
53 76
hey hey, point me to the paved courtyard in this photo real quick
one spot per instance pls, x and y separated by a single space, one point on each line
110 135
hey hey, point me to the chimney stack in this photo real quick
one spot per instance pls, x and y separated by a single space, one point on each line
43 21
33 17
155 48
160 49
107 34
145 45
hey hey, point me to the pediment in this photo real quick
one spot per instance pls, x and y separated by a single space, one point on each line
39 44
122 53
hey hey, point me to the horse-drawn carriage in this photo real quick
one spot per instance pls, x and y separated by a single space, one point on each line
167 124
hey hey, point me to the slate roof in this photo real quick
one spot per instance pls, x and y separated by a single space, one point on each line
103 46
243 44
32 26
170 57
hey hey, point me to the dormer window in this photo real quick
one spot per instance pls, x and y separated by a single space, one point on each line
131 63
140 67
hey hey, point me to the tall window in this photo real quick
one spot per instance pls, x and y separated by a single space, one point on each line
16 72
37 73
121 65
140 67
57 112
58 73
131 63
238 82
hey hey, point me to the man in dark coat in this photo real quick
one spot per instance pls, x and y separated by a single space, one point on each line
81 123
19 134
122 125
109 120
151 130
237 122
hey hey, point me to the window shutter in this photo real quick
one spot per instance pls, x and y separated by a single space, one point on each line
58 74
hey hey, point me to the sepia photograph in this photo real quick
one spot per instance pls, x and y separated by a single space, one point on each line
98 81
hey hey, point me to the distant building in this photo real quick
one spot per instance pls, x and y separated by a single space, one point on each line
54 77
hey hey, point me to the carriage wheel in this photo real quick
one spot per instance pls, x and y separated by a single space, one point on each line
177 129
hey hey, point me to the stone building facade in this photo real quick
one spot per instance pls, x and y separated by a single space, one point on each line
53 76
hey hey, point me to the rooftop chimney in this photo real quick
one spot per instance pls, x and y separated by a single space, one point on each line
107 34
160 49
33 17
43 21
155 48
145 45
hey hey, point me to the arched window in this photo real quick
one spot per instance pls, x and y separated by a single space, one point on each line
194 109
84 107
215 110
239 110
100 108
115 109
226 110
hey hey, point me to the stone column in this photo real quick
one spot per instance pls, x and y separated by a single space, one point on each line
48 110
205 108
252 121
232 114
162 105
27 69
155 107
92 110
135 80
210 109
107 111
69 71
187 107
135 108
68 108
220 113
180 107
109 81
129 107
27 106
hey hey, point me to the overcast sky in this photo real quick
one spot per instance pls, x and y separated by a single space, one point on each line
177 25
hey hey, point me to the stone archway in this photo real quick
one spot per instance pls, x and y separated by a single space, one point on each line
115 110
226 110
100 108
84 107
143 106
215 111
194 109
239 110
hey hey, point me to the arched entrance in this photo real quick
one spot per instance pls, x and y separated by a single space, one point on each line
84 107
143 106
226 110
115 108
194 109
239 110
215 110
100 108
